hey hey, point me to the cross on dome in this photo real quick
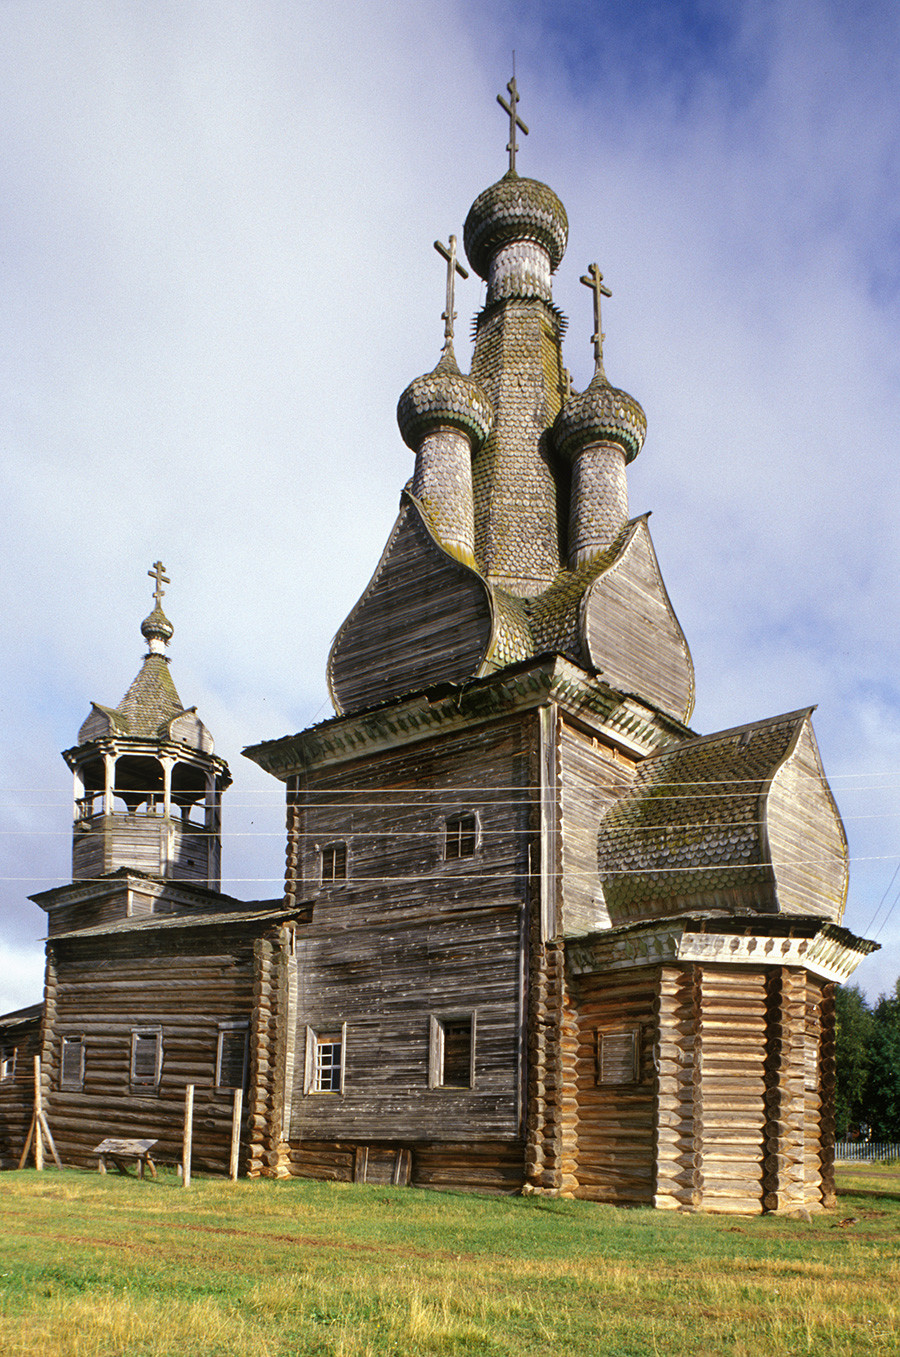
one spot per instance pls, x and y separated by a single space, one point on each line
594 280
448 252
158 572
514 119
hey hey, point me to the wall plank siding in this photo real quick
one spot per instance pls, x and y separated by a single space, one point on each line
410 934
591 777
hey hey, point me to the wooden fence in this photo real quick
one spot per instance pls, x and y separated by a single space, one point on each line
866 1150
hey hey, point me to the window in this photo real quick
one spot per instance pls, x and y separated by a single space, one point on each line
325 1060
71 1067
334 863
451 1056
231 1055
7 1062
146 1058
618 1057
461 836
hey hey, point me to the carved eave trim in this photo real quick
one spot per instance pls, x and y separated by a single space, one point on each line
626 722
826 949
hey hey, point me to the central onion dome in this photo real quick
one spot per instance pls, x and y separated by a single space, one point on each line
443 399
512 210
600 414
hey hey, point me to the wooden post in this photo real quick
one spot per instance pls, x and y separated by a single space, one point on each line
235 1133
188 1134
38 1116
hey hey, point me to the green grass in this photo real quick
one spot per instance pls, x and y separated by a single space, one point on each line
113 1267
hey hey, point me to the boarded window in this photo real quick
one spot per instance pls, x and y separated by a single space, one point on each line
231 1055
146 1058
451 1062
811 1062
334 863
461 836
326 1054
618 1057
7 1062
71 1065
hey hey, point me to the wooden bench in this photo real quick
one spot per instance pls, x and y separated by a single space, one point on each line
119 1150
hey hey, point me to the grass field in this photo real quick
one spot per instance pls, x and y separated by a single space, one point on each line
113 1267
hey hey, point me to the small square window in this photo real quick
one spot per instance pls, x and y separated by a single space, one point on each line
231 1055
461 836
334 863
325 1060
618 1056
451 1062
71 1068
7 1063
146 1058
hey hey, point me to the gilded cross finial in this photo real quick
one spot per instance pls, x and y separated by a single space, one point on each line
514 119
158 573
453 268
594 280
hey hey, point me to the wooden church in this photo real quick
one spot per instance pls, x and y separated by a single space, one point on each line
537 935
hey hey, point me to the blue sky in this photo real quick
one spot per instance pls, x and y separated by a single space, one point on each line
216 224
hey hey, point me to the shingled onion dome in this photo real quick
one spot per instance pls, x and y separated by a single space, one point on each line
157 630
599 431
515 236
445 417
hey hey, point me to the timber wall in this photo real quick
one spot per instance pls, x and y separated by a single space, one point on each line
408 936
182 983
23 1038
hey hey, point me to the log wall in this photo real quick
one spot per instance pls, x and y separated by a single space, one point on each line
182 982
20 1039
615 1144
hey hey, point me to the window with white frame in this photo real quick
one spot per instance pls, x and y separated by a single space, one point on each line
7 1063
333 863
326 1056
451 1056
71 1063
231 1055
146 1057
461 835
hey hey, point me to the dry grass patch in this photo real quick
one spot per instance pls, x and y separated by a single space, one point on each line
108 1267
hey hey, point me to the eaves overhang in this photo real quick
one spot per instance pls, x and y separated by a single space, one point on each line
814 943
628 723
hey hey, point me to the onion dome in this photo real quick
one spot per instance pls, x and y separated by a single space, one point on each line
442 399
601 414
157 627
515 209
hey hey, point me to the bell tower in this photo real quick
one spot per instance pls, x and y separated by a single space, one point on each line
148 785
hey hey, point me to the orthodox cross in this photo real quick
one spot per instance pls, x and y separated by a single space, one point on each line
594 280
158 573
514 121
453 268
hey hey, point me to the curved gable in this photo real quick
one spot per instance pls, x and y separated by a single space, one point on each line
631 633
807 843
424 618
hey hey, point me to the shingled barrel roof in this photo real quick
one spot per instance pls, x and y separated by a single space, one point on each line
743 819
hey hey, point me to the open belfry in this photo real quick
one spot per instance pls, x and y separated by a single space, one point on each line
537 934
